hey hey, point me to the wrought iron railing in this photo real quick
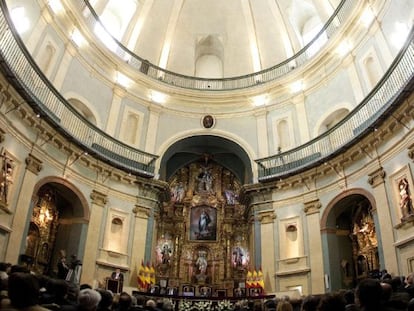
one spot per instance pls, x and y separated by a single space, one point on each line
45 100
364 118
331 27
26 77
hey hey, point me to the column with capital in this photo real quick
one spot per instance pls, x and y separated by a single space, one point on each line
387 253
312 211
98 203
267 221
33 168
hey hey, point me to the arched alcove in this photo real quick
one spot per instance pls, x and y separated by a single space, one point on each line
221 150
349 234
59 212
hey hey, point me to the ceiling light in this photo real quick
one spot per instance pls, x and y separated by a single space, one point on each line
400 34
56 6
343 48
367 17
260 100
158 97
105 37
123 80
78 38
20 20
297 86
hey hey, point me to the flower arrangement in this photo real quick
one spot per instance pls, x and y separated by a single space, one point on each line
185 305
224 305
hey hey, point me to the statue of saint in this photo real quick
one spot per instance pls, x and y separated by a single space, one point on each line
201 262
406 204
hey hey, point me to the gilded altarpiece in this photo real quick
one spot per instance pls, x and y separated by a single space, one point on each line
202 231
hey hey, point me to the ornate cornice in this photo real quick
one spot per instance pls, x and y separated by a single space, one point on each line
99 198
377 177
33 164
411 152
267 217
141 212
312 207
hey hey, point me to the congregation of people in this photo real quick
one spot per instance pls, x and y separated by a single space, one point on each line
23 290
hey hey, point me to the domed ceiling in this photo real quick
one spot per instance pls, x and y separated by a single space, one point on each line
214 38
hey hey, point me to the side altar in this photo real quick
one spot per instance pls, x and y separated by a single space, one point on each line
203 232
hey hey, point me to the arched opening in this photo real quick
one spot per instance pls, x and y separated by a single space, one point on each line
221 150
349 227
56 227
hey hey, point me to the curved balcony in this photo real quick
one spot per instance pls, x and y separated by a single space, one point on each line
45 100
48 103
380 102
302 57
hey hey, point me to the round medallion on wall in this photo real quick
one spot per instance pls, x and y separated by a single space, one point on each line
208 121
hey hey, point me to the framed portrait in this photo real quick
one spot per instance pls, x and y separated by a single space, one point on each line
203 223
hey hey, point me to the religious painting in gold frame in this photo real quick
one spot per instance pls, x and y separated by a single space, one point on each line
203 223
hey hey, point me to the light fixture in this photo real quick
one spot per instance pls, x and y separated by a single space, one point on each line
297 86
344 48
260 100
78 38
367 17
56 6
400 34
123 80
158 97
20 20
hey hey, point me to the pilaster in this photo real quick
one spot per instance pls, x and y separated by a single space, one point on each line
312 212
98 203
267 219
23 208
142 214
377 181
261 126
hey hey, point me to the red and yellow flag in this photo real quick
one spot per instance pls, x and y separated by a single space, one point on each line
260 279
249 279
152 275
141 276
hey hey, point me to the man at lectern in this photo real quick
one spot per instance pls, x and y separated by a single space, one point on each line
117 275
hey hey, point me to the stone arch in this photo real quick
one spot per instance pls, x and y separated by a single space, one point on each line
341 240
225 152
66 231
63 182
331 205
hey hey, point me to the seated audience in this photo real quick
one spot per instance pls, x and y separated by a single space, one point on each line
88 299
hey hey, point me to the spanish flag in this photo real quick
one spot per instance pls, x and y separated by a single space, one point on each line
254 279
141 276
147 272
152 275
249 279
260 279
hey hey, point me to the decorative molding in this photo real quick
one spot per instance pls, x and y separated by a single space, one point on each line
33 164
141 212
99 198
312 207
267 217
411 152
377 177
4 208
2 135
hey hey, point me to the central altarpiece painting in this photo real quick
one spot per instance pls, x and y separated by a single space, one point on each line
202 236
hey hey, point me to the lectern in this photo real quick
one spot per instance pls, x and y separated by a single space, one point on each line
114 286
